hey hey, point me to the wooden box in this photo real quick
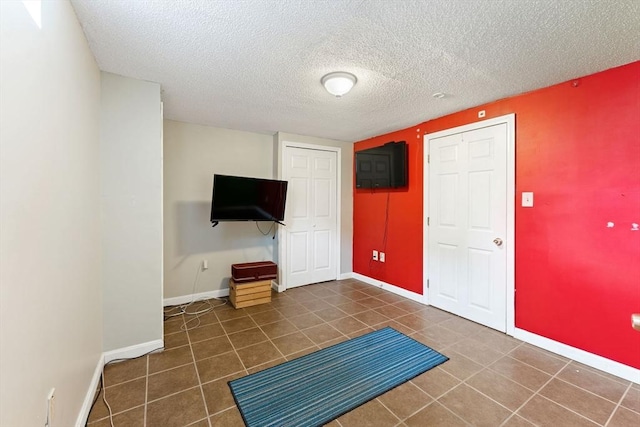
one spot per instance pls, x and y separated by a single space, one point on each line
250 293
252 271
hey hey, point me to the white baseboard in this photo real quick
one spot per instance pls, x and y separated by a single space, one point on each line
602 363
81 421
388 287
277 287
133 351
344 276
184 299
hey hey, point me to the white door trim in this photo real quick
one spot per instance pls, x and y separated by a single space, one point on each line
282 241
509 120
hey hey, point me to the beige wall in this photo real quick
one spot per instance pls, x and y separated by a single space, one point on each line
50 296
192 154
346 189
131 190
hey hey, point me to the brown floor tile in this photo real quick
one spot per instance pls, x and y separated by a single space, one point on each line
175 340
237 325
115 373
302 353
278 329
436 382
177 410
335 299
322 333
415 322
201 423
405 400
356 295
333 342
395 325
131 418
497 340
543 412
169 359
624 418
268 316
247 337
126 395
206 319
517 421
316 304
463 326
348 325
410 306
372 302
459 366
435 415
474 407
442 336
293 343
229 418
589 405
539 359
306 320
372 413
330 314
390 298
205 332
267 365
429 342
521 373
501 389
230 313
171 381
260 308
258 354
593 382
632 399
217 394
352 307
212 347
390 311
370 317
475 351
173 325
214 368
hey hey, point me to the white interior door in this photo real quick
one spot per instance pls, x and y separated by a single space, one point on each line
467 257
311 216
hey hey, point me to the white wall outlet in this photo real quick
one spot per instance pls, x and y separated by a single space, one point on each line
382 257
481 114
375 255
205 264
527 199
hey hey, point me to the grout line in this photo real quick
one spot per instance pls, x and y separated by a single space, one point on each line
195 365
618 404
146 392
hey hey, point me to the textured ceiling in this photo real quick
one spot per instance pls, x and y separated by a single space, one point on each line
256 65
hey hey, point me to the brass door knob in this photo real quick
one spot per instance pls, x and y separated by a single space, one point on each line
497 241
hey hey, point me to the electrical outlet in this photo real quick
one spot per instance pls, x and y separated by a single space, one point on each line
382 257
375 255
205 264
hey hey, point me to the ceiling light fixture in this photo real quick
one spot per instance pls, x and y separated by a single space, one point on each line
439 95
338 83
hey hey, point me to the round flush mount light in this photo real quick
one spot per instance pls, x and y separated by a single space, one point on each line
439 95
338 83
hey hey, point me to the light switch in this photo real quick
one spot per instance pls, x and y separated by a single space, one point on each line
527 199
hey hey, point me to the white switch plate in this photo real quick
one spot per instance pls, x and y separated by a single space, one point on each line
382 257
375 255
527 199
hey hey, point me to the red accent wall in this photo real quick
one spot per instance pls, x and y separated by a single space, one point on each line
578 150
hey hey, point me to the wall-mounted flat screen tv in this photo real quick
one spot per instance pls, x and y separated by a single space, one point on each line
382 167
237 198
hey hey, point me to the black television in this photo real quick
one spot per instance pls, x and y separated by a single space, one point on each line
237 198
382 167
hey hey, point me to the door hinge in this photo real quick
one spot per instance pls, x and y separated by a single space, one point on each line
427 283
428 158
428 221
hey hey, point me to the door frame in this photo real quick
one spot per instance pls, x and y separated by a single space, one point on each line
509 120
282 241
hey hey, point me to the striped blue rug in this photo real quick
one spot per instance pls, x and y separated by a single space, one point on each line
319 387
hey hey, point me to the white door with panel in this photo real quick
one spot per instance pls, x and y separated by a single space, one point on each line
311 215
467 261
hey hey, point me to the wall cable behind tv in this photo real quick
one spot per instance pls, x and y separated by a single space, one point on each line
383 167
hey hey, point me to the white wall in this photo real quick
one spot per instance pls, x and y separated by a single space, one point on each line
345 192
131 188
50 295
192 154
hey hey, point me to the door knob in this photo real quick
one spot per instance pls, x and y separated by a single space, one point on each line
497 241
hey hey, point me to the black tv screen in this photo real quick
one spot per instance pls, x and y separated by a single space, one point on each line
237 198
382 167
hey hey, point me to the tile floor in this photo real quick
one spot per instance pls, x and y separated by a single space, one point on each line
490 380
